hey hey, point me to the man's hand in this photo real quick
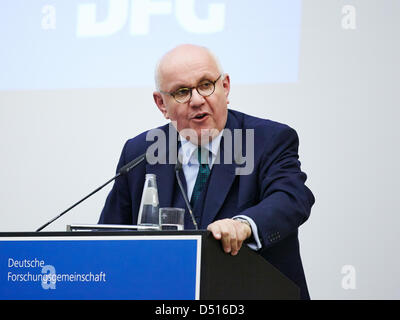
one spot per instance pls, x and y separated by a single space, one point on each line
231 232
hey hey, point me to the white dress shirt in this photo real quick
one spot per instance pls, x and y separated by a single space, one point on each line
190 166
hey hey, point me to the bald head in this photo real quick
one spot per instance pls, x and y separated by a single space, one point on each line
184 56
188 66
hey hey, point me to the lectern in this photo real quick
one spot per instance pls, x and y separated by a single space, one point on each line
135 265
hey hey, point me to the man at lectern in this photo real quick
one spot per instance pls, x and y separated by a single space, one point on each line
241 173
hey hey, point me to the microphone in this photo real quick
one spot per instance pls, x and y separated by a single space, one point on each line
130 165
122 171
178 168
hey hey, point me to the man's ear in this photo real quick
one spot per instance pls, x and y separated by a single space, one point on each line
158 99
226 83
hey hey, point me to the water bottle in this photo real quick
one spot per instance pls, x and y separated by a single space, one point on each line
148 211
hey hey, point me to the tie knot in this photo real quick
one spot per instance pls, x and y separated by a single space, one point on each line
202 155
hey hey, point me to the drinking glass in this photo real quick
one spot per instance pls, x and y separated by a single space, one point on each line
172 218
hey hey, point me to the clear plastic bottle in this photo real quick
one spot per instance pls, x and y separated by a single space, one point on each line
148 211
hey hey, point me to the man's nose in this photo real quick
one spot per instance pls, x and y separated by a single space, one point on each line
196 99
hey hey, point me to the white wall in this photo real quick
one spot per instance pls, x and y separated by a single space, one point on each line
57 146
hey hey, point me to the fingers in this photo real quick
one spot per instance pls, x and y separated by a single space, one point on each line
229 238
232 233
215 230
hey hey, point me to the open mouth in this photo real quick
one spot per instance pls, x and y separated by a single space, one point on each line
200 116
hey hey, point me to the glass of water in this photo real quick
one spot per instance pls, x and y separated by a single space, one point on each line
172 218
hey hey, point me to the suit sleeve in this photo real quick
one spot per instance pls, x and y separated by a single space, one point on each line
284 200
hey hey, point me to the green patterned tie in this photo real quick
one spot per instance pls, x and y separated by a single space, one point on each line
202 176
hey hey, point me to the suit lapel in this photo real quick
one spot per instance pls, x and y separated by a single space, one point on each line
165 173
221 178
165 182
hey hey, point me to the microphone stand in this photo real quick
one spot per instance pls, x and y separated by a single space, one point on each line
178 168
124 170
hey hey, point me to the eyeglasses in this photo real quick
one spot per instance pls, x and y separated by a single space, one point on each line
205 88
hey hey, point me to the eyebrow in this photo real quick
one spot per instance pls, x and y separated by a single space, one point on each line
179 85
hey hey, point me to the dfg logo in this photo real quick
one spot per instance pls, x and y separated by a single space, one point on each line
137 14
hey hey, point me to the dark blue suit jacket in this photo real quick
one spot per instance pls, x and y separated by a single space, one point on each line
273 195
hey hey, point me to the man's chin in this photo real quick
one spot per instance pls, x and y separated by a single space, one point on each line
207 135
199 136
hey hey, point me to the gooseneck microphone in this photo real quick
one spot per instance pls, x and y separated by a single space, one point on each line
122 171
178 168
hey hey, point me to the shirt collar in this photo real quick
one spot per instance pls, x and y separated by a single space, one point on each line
187 149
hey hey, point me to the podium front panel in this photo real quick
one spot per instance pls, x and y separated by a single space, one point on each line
100 267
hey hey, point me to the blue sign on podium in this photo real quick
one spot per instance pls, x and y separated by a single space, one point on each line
100 267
